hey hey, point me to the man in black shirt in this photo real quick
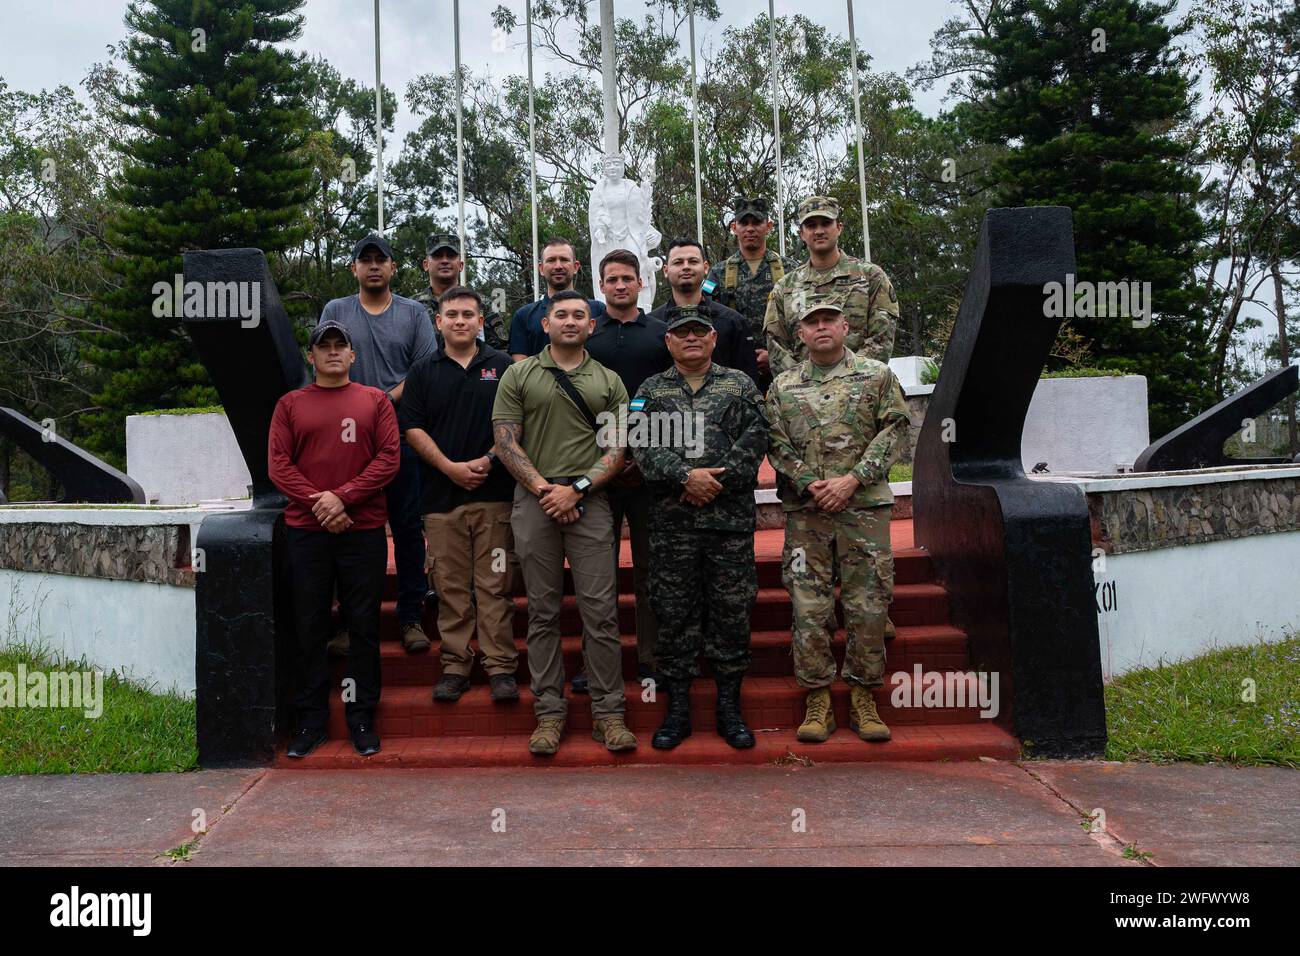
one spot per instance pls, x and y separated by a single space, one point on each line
631 345
686 268
446 416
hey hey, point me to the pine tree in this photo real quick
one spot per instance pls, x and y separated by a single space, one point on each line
1089 95
215 159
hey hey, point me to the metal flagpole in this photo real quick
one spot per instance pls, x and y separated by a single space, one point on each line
379 127
776 126
695 130
532 149
857 112
607 76
460 142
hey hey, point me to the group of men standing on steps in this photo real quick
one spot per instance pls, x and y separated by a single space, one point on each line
528 459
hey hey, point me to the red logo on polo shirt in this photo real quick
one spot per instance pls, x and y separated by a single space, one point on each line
487 375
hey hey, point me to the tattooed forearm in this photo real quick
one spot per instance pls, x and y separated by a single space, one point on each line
610 464
516 460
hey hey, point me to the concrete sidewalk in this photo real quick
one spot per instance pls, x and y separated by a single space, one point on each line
984 813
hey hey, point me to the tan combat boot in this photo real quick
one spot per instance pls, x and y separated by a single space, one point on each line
613 733
819 720
546 738
863 718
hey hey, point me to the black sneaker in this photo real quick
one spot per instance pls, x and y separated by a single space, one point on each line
365 740
580 683
450 687
504 687
305 741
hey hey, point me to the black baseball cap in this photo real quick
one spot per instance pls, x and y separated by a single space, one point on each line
329 325
371 239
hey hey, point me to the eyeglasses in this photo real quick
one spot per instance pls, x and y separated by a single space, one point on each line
685 331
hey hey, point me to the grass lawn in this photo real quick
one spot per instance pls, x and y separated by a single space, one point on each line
137 731
1194 710
900 473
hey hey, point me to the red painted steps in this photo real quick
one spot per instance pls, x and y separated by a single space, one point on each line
477 732
917 742
933 646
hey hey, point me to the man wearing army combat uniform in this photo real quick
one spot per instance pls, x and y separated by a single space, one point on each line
744 279
838 422
444 263
862 288
703 579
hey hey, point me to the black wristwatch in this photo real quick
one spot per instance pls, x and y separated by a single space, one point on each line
582 486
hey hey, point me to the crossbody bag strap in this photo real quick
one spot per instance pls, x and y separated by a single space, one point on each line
571 390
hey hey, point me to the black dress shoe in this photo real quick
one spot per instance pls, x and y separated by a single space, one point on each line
450 687
305 741
365 740
504 687
580 683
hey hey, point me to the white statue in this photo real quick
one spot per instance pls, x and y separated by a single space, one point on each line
619 216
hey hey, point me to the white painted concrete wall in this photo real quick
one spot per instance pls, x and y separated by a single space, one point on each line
185 459
1175 603
143 631
1086 425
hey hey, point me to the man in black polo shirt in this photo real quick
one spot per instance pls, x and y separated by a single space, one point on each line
446 416
631 345
686 269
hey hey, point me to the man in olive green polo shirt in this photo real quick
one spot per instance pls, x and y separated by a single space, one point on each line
548 441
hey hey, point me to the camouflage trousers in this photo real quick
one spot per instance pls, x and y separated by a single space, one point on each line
856 544
702 589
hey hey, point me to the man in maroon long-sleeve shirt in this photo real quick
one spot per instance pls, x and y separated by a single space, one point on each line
334 445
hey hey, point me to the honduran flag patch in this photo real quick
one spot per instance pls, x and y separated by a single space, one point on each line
637 405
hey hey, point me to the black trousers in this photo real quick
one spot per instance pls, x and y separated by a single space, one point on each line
355 562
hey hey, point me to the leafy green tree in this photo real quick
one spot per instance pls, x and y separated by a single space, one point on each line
1088 97
213 156
341 150
1249 142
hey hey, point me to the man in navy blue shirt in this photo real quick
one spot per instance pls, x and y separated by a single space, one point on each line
559 267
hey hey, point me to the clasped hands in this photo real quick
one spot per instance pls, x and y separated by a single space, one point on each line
701 486
560 502
328 510
469 474
833 495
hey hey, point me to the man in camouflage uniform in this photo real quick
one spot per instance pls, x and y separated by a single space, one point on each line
444 263
862 288
703 579
744 279
838 423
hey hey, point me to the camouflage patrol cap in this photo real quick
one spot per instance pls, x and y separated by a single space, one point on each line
686 314
821 304
750 207
818 206
441 240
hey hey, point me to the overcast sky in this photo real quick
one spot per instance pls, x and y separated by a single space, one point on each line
45 44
